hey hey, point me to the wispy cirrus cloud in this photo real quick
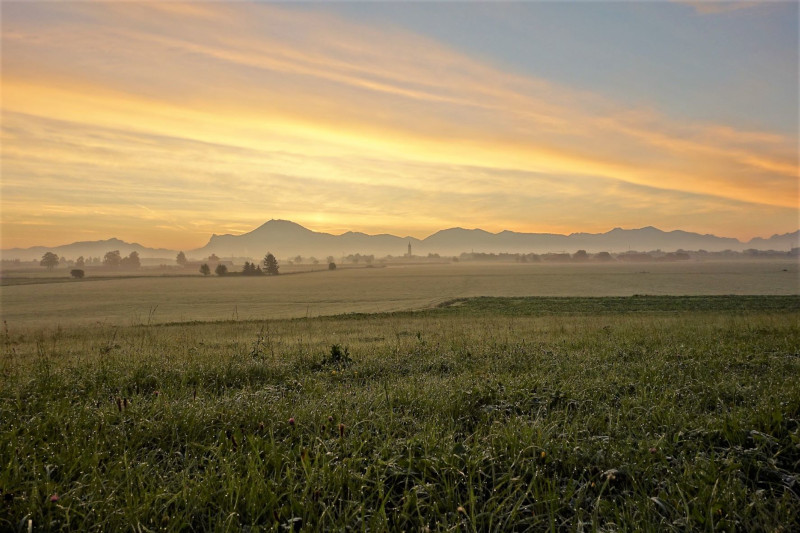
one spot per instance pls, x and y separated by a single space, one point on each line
209 110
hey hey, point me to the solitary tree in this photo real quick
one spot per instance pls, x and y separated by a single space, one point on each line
112 259
221 270
204 269
181 259
76 273
270 265
49 260
331 266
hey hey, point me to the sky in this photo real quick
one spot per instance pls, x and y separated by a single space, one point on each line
163 123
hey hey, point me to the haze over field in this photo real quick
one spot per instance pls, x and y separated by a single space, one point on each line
164 122
289 239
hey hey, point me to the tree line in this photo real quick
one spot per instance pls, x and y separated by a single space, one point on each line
113 259
269 263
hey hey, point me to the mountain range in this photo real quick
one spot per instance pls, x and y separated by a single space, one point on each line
287 239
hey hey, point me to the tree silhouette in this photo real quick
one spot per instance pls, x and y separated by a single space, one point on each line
221 270
181 259
270 265
331 266
49 260
204 269
580 255
251 269
112 259
132 261
76 273
80 262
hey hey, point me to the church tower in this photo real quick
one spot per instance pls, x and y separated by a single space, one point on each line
409 249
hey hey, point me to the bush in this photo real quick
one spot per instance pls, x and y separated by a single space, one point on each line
331 266
77 273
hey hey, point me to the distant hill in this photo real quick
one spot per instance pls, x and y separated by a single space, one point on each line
287 239
787 241
89 249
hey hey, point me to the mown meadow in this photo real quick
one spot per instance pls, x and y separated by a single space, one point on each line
492 414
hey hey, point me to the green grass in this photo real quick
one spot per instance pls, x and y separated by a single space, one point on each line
613 305
645 413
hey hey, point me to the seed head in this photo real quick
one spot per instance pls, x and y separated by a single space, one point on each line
341 430
55 497
291 421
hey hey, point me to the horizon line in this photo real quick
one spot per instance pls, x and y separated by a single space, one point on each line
132 243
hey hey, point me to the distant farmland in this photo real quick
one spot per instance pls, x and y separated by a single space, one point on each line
37 300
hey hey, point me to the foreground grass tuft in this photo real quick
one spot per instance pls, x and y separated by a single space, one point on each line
470 418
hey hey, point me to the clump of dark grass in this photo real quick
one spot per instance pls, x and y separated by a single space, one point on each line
338 358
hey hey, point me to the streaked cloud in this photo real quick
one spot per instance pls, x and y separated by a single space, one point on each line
187 119
713 7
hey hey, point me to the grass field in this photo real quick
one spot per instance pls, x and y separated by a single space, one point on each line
646 413
37 301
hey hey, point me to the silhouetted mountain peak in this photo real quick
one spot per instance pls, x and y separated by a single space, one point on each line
458 230
283 226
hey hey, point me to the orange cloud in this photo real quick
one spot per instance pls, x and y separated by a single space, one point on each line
275 94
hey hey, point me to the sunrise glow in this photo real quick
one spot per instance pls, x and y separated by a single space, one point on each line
163 123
